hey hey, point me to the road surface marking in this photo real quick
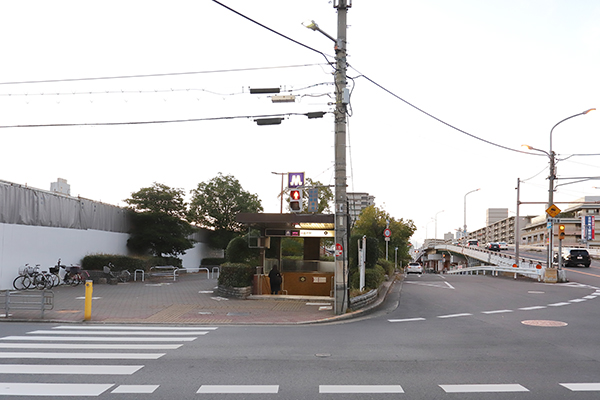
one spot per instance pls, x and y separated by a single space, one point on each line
53 389
132 333
135 389
214 389
582 387
483 388
455 315
99 339
69 369
406 320
137 328
436 285
559 304
577 300
532 308
85 356
360 389
496 312
89 346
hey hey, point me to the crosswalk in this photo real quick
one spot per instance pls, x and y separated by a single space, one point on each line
119 344
129 347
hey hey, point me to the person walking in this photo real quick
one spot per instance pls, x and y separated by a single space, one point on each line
275 280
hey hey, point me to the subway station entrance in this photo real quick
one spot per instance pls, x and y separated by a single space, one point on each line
309 276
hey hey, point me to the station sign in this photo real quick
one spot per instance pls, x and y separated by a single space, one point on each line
299 233
295 179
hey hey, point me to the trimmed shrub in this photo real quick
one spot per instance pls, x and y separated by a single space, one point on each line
236 275
388 266
96 262
212 261
374 277
237 251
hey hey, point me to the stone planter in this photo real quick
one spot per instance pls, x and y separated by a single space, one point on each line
234 292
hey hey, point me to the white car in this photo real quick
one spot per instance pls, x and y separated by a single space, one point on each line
503 245
414 268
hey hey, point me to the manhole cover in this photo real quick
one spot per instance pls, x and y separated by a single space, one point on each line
542 322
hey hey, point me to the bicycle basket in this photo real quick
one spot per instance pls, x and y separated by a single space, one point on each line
53 270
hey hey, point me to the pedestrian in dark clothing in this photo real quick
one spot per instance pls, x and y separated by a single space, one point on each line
275 280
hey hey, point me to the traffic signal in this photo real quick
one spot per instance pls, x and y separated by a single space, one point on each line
295 200
561 232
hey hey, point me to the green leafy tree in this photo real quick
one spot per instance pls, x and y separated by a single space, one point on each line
158 221
372 221
325 197
215 205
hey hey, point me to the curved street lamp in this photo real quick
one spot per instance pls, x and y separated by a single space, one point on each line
552 176
465 214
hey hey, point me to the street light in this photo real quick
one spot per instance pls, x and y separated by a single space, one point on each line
436 214
340 113
551 177
465 214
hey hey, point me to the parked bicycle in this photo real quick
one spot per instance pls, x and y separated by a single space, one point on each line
32 277
123 275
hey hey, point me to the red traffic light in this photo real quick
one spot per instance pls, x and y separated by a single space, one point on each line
295 195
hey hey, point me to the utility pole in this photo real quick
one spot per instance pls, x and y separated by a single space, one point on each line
341 203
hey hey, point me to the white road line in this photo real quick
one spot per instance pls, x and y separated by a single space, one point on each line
455 315
360 389
582 387
85 356
132 333
89 346
558 304
483 388
52 389
146 389
497 312
137 328
99 339
449 285
532 308
29 369
590 297
238 389
577 300
406 320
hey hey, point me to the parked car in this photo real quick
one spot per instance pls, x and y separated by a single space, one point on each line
575 258
493 246
473 242
414 268
503 245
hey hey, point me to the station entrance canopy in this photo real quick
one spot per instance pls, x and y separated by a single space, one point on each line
290 225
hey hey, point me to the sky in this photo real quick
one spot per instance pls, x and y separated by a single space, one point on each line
466 84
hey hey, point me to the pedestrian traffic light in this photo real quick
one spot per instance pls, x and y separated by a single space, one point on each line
295 200
561 232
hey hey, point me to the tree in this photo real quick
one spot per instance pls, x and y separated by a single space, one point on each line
216 203
158 221
372 222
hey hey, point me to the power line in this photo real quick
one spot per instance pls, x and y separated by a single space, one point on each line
158 75
153 122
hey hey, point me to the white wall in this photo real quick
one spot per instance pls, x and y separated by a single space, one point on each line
27 244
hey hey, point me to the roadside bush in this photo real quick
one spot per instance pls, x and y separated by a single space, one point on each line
374 277
237 251
212 261
388 266
96 262
236 275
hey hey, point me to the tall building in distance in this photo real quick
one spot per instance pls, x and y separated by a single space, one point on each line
60 186
357 202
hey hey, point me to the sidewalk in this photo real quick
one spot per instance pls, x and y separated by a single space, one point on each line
188 300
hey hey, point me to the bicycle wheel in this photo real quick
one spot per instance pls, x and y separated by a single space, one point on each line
54 280
22 282
40 282
75 280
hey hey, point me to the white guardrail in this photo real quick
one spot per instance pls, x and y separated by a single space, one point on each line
499 262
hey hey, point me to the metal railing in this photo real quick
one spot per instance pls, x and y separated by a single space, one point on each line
27 300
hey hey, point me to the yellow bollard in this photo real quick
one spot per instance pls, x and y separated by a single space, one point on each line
89 288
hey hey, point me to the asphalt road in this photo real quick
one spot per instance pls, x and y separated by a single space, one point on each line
439 337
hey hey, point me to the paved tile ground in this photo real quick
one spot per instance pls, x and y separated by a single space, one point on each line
188 300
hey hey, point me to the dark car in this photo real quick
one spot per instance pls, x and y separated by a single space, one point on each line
576 258
493 246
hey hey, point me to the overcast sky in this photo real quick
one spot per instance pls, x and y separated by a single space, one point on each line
503 71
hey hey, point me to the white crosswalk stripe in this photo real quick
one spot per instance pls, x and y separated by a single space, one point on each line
130 343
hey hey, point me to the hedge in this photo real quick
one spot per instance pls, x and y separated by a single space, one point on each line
236 275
